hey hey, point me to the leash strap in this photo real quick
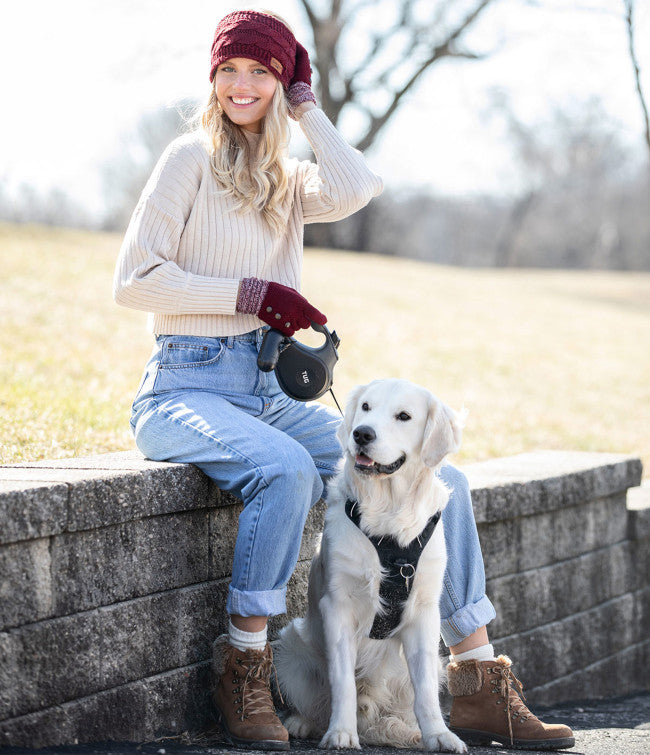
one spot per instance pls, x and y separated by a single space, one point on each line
336 402
399 565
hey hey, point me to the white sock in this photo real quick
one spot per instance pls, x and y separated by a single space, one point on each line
482 653
247 640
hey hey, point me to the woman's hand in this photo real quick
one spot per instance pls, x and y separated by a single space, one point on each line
299 92
297 112
279 306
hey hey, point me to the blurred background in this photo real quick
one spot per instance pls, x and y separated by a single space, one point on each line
512 131
505 265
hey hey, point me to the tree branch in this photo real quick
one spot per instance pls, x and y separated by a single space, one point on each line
445 49
629 22
313 18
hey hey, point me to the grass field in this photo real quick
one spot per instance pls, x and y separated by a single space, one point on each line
542 359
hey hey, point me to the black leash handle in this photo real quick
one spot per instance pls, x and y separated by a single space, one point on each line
270 349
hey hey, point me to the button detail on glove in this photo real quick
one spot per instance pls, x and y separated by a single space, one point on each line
279 306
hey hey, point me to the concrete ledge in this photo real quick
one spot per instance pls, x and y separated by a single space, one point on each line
534 483
48 498
114 573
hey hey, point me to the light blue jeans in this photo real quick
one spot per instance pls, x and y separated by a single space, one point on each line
204 401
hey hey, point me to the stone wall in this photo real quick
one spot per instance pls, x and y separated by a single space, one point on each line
114 571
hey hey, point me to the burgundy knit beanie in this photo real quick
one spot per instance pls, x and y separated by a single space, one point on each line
258 36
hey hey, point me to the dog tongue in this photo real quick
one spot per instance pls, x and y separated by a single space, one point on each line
363 461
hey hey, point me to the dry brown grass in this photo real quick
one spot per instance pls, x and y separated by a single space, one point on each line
542 359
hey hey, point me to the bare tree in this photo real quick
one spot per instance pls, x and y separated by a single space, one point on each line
372 71
370 54
573 170
629 23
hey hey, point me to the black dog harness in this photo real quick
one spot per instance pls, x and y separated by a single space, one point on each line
399 565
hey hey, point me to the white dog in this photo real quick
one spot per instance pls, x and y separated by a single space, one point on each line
378 574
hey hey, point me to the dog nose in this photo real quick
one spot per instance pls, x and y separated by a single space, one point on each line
363 435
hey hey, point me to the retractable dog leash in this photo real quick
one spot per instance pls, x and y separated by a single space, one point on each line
304 373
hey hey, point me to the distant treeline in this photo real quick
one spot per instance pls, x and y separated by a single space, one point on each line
604 227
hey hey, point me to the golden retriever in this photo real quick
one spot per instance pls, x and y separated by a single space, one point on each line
363 665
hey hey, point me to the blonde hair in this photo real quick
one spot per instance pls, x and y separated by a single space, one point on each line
261 183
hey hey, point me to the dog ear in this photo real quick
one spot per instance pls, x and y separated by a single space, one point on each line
345 428
442 433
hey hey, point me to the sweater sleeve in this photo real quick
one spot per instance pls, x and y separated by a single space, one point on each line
147 275
340 182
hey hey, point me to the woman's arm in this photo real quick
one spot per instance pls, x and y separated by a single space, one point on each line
340 182
147 276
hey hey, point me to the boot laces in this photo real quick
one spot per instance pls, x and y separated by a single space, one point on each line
512 693
256 692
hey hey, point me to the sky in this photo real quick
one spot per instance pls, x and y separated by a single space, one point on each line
77 74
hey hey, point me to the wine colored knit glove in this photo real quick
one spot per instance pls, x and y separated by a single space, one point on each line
299 89
302 71
279 306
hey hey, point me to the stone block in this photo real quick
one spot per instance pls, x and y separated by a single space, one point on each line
641 560
25 582
642 614
546 480
511 596
563 647
100 567
500 546
297 590
117 497
296 599
139 638
178 701
116 714
76 494
46 728
540 596
223 523
9 674
223 533
57 660
202 618
141 711
30 510
313 530
618 675
516 545
638 504
583 528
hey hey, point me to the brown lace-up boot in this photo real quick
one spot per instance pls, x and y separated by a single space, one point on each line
242 697
488 707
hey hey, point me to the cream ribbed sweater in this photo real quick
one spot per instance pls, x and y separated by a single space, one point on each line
186 249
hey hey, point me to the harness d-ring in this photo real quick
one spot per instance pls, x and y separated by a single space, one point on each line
407 577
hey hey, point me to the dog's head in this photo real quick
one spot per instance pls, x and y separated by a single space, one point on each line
390 422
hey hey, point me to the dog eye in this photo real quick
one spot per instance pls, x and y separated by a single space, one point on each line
365 406
403 417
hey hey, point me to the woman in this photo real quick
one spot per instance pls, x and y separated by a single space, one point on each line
214 252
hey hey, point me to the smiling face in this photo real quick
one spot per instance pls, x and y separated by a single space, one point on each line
245 90
392 422
387 426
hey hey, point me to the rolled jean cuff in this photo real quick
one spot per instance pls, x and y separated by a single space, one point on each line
257 603
466 620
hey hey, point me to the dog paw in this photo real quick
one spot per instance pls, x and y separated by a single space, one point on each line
444 741
298 727
340 739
